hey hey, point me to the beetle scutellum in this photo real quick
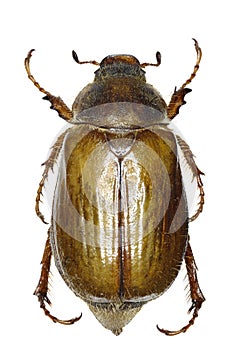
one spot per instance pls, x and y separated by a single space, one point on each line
119 226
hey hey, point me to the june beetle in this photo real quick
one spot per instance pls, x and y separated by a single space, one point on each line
119 224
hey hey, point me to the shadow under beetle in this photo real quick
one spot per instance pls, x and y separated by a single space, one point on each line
119 225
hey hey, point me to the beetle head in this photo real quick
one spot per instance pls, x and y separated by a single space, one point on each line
120 66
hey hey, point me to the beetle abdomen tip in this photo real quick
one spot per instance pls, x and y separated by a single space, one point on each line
114 316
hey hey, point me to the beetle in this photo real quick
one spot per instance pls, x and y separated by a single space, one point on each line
119 225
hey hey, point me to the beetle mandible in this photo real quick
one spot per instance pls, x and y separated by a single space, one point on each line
119 225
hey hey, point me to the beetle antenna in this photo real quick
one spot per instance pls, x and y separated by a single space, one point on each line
196 67
158 59
76 59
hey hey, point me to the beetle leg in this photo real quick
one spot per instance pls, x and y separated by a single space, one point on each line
177 99
42 288
189 157
49 164
56 102
195 292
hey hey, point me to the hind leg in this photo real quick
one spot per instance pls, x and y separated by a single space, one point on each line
195 293
42 288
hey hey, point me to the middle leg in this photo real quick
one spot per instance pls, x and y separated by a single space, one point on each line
49 165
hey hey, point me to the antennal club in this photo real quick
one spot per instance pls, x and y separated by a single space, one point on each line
158 59
76 59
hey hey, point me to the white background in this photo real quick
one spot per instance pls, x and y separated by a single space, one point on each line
210 122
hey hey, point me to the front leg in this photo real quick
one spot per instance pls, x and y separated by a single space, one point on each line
56 102
177 99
